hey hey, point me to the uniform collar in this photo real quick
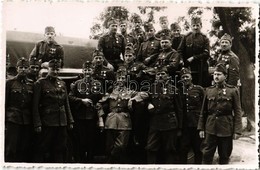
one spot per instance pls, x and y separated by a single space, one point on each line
51 78
22 79
222 85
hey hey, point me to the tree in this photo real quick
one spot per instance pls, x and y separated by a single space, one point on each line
150 10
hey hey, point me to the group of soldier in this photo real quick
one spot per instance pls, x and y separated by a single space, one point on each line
148 95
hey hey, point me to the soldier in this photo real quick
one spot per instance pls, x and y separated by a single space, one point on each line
34 69
84 95
129 39
140 39
150 47
51 115
229 59
194 50
118 121
137 21
112 45
176 35
165 120
48 48
220 118
18 115
192 98
164 23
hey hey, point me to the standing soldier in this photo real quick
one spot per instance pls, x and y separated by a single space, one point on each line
164 23
137 21
48 49
194 50
192 97
51 115
220 120
176 35
34 69
129 39
18 115
229 59
118 121
150 47
140 39
84 95
112 44
165 120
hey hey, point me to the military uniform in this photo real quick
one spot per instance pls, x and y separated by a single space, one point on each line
51 112
196 45
18 117
176 41
112 46
165 122
220 118
129 39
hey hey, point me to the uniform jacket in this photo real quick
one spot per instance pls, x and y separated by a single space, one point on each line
176 41
149 47
50 103
18 100
112 46
46 52
81 89
231 61
196 45
192 98
167 112
221 112
129 39
134 70
118 102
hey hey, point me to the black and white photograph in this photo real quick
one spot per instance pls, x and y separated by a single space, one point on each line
100 84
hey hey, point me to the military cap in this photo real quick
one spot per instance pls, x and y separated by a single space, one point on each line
123 22
129 49
221 68
121 72
112 21
163 36
97 53
148 26
87 65
196 20
22 62
160 69
226 37
175 26
35 61
55 64
163 19
136 18
49 29
185 70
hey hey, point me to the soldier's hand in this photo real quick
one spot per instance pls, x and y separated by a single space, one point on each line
70 126
236 136
190 59
45 65
101 124
87 101
110 67
38 129
202 134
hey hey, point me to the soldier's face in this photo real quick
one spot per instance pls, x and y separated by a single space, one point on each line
121 80
219 77
113 28
140 37
123 28
187 79
98 60
164 25
225 45
196 27
54 72
87 72
129 57
176 32
49 36
137 24
34 69
150 33
165 44
22 70
161 76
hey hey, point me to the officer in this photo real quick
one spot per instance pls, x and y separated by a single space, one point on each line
34 68
220 118
118 121
168 57
150 47
229 59
51 115
176 35
164 24
102 73
48 48
194 50
84 95
18 115
112 44
129 39
165 120
192 98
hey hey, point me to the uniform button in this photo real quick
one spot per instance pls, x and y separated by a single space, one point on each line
187 99
216 117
